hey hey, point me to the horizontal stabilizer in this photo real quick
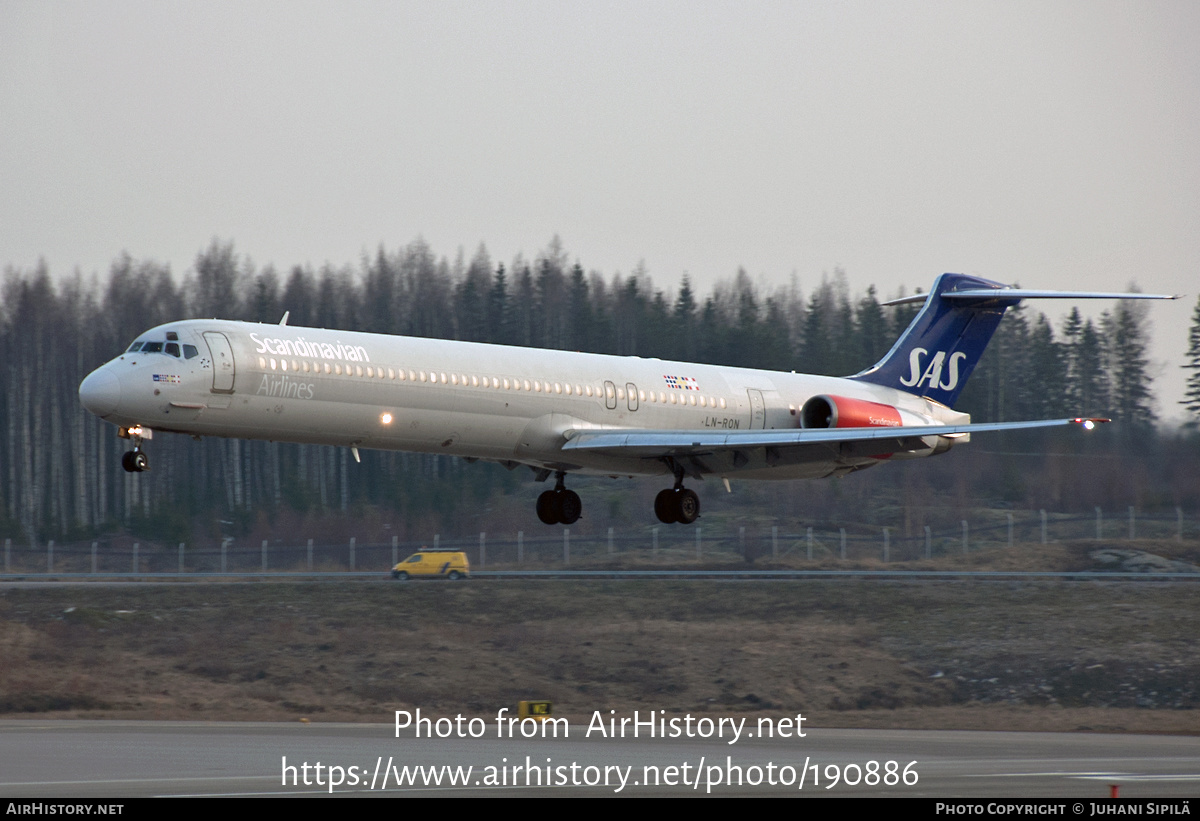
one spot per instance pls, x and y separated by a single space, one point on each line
976 294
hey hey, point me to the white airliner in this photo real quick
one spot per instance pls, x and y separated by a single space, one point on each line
560 412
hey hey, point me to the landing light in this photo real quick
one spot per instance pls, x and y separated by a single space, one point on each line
385 418
1088 424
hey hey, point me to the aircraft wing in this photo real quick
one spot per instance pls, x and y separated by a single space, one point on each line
659 443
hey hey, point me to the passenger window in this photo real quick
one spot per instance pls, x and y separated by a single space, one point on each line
190 352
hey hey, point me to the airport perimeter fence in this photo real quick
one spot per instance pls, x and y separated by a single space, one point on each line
558 547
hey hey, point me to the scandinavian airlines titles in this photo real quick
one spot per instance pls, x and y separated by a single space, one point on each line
312 350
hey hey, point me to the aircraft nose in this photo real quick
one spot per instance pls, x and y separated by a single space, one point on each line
100 392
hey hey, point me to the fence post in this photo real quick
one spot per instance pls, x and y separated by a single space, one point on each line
8 551
310 555
181 557
437 541
654 549
1099 524
50 556
1043 512
928 543
842 532
1010 530
610 541
94 546
964 527
1131 521
224 561
566 547
264 555
809 539
774 541
1179 524
482 549
395 551
698 542
887 546
136 545
520 547
742 541
353 539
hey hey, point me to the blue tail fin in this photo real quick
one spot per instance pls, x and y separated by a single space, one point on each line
944 343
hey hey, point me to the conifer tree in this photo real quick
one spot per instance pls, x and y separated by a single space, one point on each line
1132 400
1191 396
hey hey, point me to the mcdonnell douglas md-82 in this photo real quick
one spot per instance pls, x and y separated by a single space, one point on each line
559 412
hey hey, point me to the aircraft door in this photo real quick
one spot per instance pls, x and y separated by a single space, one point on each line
222 359
610 395
631 389
758 410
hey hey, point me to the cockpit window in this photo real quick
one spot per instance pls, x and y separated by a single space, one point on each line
152 347
190 351
173 349
136 346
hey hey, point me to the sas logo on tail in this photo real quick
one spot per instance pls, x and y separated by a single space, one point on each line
932 375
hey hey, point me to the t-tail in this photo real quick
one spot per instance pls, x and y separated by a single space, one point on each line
942 346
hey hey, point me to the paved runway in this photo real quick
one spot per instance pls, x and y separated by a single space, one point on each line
65 759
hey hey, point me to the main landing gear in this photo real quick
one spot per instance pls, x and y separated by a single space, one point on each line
677 504
559 506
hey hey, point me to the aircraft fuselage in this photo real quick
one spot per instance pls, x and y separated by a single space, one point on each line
494 402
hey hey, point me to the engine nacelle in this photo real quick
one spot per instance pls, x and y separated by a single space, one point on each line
829 411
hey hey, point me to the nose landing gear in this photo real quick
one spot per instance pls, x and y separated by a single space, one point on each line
559 506
136 460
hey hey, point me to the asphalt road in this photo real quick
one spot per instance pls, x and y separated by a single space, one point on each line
126 759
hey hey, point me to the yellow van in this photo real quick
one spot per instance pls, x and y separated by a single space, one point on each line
433 564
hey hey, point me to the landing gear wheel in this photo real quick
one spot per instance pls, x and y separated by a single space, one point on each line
665 508
135 461
687 503
568 506
546 508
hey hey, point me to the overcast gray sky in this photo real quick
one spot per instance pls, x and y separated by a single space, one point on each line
1052 143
